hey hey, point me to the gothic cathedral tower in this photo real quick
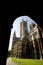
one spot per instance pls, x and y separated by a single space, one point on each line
23 29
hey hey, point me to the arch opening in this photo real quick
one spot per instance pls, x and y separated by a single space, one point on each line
25 32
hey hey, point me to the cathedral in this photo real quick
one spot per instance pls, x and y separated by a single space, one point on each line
30 44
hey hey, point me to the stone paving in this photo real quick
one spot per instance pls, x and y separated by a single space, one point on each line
9 62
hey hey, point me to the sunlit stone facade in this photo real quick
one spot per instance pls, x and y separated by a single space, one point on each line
29 45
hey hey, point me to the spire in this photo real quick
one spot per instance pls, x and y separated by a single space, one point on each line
14 34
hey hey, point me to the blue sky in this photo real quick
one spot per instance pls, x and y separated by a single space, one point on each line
16 27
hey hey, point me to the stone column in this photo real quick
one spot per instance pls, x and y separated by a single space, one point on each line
35 56
40 48
39 44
